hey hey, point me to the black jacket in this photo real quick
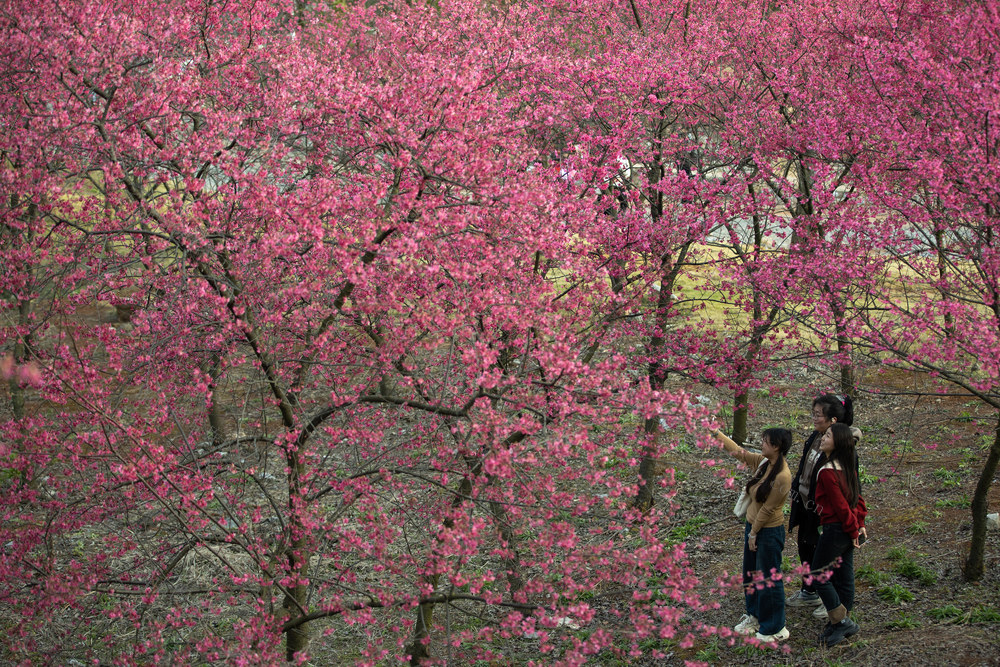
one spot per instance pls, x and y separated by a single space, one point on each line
803 512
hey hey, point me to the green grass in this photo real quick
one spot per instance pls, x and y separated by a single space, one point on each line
962 502
796 416
917 528
871 575
909 568
903 622
983 614
902 446
896 553
651 644
895 594
952 614
866 477
748 652
710 653
949 478
946 613
686 530
969 457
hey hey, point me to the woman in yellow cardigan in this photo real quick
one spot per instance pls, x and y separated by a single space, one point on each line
764 533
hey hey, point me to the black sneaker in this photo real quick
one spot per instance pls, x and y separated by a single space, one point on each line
826 632
803 598
841 631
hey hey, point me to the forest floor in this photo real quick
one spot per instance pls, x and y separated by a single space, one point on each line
921 457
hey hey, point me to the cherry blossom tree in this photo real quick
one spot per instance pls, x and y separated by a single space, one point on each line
345 332
358 380
931 85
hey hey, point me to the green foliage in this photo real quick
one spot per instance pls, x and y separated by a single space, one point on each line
946 613
903 622
895 594
725 414
871 575
901 446
8 475
866 477
917 528
796 416
962 502
909 568
683 447
983 614
948 478
896 553
969 457
710 653
952 614
686 530
748 652
651 644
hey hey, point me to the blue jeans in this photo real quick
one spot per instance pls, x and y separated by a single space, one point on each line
765 599
838 590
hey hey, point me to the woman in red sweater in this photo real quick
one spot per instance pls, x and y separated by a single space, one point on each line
842 513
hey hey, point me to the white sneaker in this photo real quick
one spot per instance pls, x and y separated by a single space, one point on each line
779 636
748 625
820 612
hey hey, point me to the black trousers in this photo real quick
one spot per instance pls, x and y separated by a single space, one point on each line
808 538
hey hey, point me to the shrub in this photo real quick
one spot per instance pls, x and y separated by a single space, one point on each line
946 613
871 575
895 594
907 567
904 622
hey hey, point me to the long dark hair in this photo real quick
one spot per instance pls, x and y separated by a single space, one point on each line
781 438
837 407
845 453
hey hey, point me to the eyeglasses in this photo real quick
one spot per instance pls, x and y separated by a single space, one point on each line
818 414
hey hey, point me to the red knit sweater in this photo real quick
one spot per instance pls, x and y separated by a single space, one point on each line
832 505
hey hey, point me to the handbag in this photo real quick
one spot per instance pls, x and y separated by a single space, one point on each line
743 502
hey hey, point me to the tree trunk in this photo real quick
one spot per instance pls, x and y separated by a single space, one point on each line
949 319
741 411
22 348
508 541
216 421
648 469
22 352
974 567
649 464
843 347
296 597
418 647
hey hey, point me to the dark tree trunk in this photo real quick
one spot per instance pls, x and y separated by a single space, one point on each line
974 567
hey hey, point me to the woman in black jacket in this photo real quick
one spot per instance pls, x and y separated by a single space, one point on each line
827 410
